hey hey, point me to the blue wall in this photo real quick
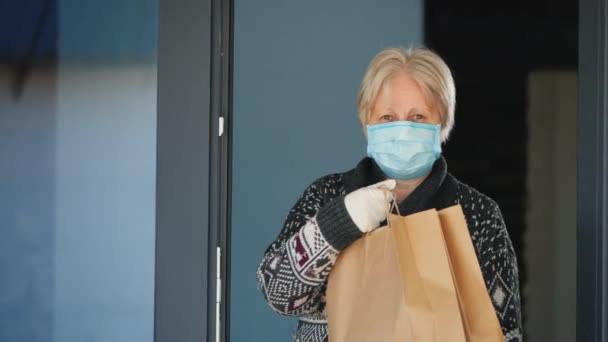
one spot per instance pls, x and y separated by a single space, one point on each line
297 68
77 182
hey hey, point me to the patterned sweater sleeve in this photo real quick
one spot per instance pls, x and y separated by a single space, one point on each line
498 260
293 272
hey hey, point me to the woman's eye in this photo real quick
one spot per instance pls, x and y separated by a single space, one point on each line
418 117
387 117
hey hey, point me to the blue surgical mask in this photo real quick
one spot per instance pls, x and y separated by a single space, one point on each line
404 150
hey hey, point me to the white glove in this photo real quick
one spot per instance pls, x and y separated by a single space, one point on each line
367 206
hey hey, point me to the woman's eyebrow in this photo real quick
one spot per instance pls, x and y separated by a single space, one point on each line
415 110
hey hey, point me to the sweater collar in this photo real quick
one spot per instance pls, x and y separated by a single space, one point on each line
437 191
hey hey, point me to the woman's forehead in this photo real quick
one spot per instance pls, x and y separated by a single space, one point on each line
403 90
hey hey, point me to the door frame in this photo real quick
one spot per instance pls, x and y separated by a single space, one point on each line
220 180
186 198
193 170
592 169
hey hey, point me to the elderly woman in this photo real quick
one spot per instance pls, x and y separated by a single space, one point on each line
406 107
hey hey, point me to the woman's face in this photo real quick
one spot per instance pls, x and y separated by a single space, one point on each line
402 100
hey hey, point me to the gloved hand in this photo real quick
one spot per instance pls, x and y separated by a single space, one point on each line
367 206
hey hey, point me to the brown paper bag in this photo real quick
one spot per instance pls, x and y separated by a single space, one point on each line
395 284
425 267
478 314
365 298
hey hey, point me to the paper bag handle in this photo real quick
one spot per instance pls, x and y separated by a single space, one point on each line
391 205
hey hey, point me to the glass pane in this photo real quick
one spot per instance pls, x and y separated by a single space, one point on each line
77 182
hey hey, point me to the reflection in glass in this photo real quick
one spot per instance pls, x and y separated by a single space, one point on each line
77 147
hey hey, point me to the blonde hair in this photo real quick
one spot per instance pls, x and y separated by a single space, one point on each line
424 66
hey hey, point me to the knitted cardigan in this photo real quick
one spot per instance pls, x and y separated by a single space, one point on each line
294 270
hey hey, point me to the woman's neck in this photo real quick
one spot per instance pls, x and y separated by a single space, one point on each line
404 188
